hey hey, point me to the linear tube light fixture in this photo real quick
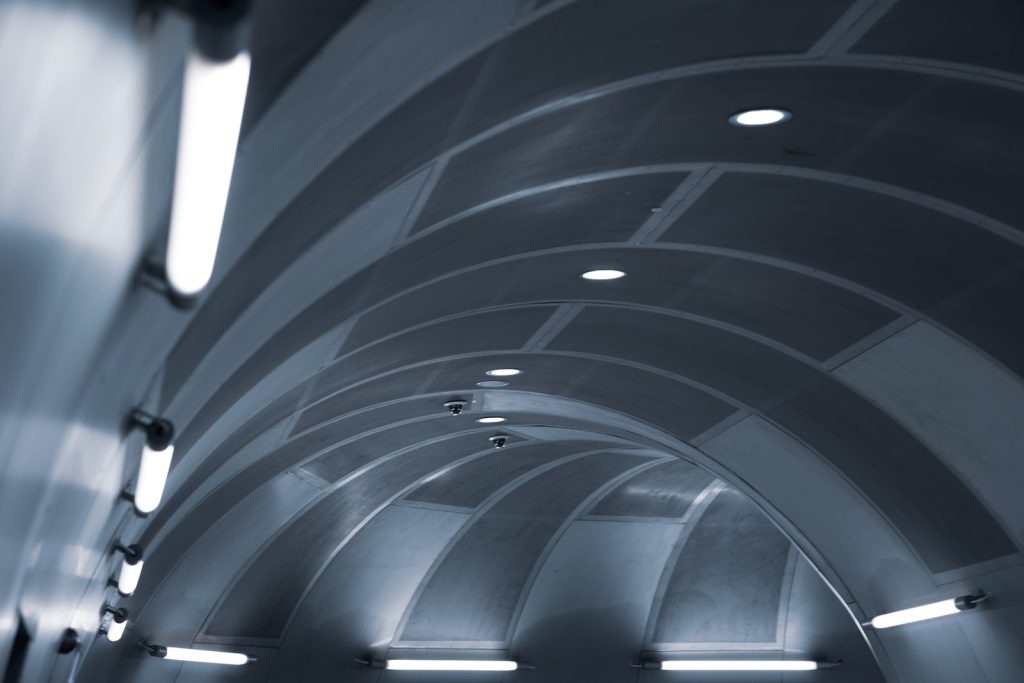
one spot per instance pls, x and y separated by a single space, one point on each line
131 569
932 610
216 80
116 621
450 665
742 665
211 118
186 654
155 462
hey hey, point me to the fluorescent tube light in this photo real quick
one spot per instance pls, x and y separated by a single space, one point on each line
128 577
152 478
184 654
740 665
116 630
450 665
933 610
116 623
213 100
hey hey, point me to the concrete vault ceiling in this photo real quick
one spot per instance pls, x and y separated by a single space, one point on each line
801 407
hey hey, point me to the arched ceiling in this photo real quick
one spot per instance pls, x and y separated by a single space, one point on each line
797 410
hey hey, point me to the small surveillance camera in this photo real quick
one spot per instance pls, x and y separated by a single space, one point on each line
455 405
498 440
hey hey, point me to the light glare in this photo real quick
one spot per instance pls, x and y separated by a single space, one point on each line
183 654
152 478
211 116
608 274
490 420
504 372
759 117
450 665
922 613
739 665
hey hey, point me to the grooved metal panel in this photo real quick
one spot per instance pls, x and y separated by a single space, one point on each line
609 210
936 513
889 245
506 329
664 491
362 593
981 32
725 585
591 599
403 140
341 461
962 406
276 410
234 490
468 485
613 40
836 128
807 314
679 408
263 598
473 592
283 41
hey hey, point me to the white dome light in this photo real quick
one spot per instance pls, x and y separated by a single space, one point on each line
492 384
759 117
609 274
504 372
490 420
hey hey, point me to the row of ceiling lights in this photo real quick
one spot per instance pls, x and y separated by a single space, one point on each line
214 90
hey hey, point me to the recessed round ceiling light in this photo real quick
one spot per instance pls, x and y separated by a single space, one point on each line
490 420
609 274
492 384
759 117
504 372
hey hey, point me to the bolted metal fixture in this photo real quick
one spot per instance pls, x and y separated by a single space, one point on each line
155 462
69 641
114 623
455 405
159 431
127 578
498 440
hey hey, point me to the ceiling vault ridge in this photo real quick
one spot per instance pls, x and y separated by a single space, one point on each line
850 28
585 505
482 509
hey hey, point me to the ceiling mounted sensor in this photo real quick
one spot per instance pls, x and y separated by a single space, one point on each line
759 117
933 610
185 654
603 274
740 665
492 384
504 372
498 440
490 420
455 405
213 99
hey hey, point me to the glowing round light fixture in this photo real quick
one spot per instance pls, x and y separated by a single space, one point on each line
606 274
490 420
759 117
504 372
